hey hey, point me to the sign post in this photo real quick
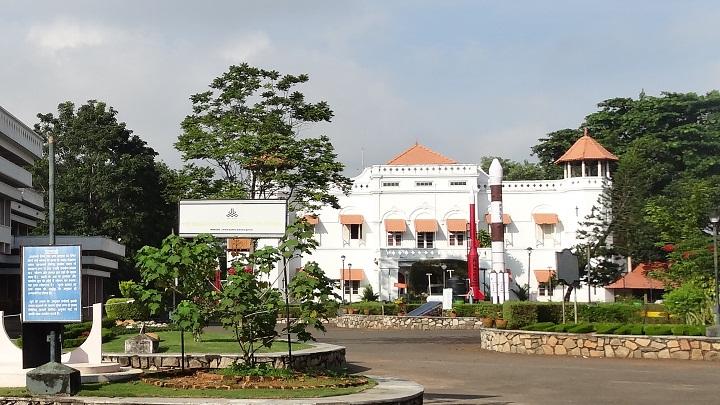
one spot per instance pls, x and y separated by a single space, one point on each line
51 296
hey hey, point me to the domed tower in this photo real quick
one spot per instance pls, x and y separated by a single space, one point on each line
586 158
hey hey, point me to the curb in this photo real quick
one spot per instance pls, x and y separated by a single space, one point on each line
387 391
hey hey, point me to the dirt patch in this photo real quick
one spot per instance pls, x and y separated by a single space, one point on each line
197 379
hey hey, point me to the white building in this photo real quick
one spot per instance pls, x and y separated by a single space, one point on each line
416 208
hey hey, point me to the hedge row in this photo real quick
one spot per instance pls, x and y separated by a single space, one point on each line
120 308
604 328
522 313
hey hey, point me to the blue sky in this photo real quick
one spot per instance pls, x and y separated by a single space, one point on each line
466 78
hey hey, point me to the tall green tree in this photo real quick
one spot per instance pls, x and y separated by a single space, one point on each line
513 170
661 142
107 182
247 128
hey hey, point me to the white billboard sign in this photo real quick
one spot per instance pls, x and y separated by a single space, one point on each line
233 218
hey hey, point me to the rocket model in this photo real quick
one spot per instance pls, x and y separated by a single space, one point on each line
497 230
473 259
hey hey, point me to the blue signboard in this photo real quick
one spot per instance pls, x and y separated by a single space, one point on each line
52 284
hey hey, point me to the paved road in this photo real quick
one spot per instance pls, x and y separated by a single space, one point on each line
454 370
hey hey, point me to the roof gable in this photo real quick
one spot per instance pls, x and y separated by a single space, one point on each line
420 155
638 278
586 148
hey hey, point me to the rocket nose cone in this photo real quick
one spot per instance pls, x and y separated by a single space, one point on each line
496 169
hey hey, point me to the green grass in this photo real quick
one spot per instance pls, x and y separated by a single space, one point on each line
212 342
140 389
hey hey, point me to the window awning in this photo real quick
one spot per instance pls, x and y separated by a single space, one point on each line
351 219
395 225
545 218
312 219
239 244
544 276
352 274
457 225
400 285
426 225
506 219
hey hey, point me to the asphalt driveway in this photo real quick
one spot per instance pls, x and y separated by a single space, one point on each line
454 370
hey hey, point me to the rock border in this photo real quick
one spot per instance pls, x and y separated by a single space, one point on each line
608 346
355 321
320 356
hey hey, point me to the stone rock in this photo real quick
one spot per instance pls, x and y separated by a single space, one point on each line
590 344
663 354
684 345
622 351
547 349
569 343
680 355
673 343
696 354
552 341
609 351
642 342
631 345
53 379
560 350
650 355
141 344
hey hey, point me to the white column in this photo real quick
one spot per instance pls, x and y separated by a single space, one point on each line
583 168
600 171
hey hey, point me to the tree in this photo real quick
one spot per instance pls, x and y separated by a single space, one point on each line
185 267
515 170
250 308
247 125
107 182
668 139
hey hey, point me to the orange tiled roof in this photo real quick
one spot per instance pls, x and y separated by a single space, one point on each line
586 148
420 155
638 279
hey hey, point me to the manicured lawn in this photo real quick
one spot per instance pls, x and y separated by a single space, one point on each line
212 342
140 389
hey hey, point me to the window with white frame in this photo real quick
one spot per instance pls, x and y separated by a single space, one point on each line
547 234
545 289
351 285
425 239
394 238
423 183
456 238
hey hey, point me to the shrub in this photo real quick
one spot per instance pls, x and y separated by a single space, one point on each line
519 313
582 328
606 328
479 310
657 330
540 326
120 308
629 329
563 327
374 308
610 312
687 330
692 301
368 294
549 312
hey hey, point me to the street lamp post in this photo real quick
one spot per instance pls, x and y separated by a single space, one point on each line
715 219
529 250
428 275
350 281
342 278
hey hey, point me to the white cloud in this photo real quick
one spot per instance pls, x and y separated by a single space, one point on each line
245 48
63 34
